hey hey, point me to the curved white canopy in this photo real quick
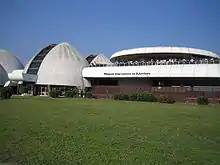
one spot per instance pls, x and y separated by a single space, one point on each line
151 50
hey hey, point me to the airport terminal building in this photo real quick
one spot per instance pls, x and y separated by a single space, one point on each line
153 69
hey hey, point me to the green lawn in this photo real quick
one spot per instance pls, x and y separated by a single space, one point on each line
76 131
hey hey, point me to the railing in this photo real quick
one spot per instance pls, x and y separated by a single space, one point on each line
162 62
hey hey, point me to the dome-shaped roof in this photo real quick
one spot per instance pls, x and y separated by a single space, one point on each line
100 59
3 76
9 62
61 65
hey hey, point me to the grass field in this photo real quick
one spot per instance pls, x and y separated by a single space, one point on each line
76 131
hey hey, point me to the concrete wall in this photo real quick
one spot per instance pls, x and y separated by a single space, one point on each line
135 82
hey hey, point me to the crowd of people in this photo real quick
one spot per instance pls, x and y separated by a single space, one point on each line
165 62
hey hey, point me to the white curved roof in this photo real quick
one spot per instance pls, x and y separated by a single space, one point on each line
3 76
9 62
101 59
62 66
150 50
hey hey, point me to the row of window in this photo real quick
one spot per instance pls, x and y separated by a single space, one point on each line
35 64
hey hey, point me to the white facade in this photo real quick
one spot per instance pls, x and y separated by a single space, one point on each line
9 62
168 70
150 50
180 70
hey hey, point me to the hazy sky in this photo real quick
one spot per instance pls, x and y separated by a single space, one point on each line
106 26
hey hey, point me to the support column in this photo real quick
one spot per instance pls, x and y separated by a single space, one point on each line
32 92
18 88
48 87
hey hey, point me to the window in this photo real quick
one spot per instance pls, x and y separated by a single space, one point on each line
36 62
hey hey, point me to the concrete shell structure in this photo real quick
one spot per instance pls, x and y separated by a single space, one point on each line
58 65
101 59
3 76
9 62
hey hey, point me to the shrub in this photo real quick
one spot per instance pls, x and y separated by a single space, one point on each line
69 94
121 97
21 89
75 91
166 99
5 93
148 97
89 94
202 100
133 97
55 93
124 97
116 96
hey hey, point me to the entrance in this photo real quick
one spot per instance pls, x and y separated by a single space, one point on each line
43 91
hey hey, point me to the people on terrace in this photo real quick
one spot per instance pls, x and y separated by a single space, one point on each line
170 61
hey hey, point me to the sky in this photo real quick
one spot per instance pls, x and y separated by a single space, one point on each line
107 26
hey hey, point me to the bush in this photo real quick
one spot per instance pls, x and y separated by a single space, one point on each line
69 94
121 97
89 94
124 97
55 93
133 97
148 97
5 93
21 89
75 91
202 100
116 96
166 99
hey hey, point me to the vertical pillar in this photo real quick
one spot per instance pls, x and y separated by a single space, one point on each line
17 88
32 92
48 87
